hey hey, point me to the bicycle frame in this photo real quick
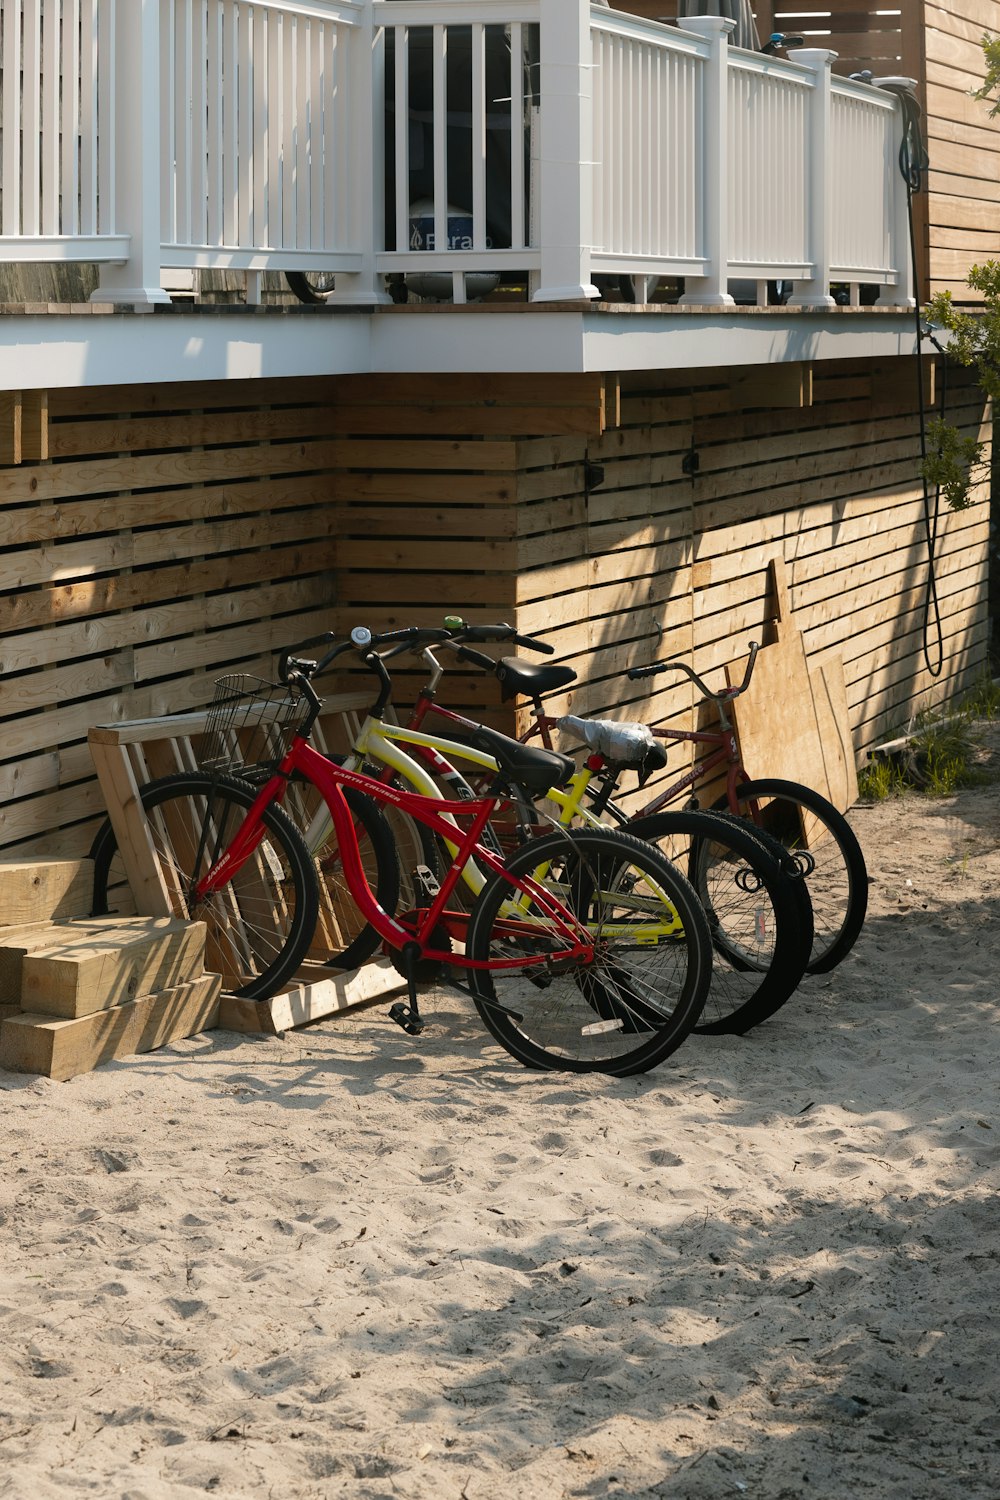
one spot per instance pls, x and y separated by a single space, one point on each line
331 780
726 754
382 743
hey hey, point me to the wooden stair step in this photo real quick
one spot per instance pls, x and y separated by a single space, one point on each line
98 969
39 890
62 1049
17 941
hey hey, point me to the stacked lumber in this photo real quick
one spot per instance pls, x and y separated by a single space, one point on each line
76 991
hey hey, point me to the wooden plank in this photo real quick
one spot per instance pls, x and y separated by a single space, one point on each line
26 522
437 489
320 992
63 1049
35 426
11 427
472 389
777 725
33 648
187 429
41 890
496 421
15 942
185 395
153 470
120 789
117 593
119 961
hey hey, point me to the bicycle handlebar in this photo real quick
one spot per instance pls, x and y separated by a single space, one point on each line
460 630
478 658
681 666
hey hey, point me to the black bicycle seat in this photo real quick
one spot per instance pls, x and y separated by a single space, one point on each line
530 677
534 769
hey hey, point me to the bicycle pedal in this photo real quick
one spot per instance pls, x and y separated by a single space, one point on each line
427 880
407 1017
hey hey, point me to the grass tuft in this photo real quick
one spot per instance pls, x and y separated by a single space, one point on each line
939 757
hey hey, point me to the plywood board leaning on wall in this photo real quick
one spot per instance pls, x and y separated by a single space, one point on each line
792 723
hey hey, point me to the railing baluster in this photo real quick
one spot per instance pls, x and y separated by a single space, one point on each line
10 113
69 218
478 136
247 129
401 134
132 126
517 141
24 184
440 65
107 177
89 23
814 291
711 289
229 96
274 86
214 111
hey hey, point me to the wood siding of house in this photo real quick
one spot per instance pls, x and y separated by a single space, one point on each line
172 531
177 532
832 489
651 561
963 198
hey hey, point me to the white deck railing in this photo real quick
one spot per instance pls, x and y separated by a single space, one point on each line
351 135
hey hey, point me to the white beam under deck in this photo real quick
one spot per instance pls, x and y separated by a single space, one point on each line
56 349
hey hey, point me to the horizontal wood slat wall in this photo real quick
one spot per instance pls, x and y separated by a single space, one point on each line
664 564
175 532
962 208
428 502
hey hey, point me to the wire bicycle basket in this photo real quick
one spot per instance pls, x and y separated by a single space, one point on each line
249 725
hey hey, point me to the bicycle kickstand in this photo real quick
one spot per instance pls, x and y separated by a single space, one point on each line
408 1016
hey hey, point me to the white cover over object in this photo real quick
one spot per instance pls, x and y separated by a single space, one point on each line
628 742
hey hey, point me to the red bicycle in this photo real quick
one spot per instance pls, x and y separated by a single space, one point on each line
585 951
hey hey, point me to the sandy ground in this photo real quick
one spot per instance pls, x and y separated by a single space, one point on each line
349 1262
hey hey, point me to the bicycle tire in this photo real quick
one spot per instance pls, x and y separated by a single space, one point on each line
636 1001
260 925
759 916
313 287
798 886
838 881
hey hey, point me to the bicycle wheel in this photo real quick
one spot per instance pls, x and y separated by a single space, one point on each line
640 993
344 939
261 923
804 821
311 286
760 918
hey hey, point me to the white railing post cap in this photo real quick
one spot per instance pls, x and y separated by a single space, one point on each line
896 85
708 26
814 58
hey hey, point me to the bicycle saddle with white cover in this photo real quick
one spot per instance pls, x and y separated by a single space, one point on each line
626 744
